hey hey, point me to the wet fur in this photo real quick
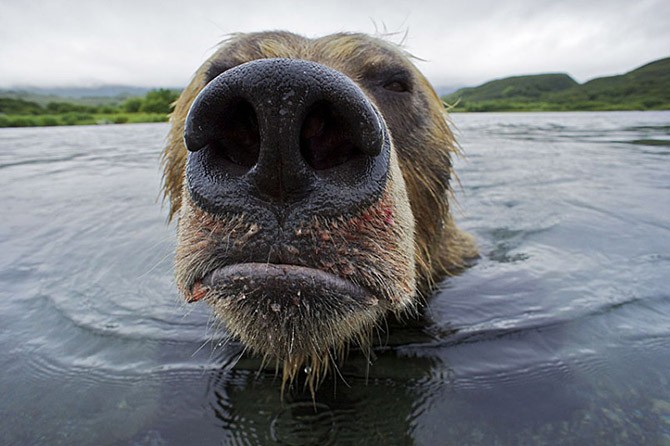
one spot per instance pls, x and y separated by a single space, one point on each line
398 248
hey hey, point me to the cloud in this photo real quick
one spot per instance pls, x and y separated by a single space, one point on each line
161 43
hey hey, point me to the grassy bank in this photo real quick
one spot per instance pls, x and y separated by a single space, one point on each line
155 106
78 118
501 105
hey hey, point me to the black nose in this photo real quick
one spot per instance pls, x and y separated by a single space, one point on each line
281 133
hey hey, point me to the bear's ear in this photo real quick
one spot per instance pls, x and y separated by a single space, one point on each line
173 159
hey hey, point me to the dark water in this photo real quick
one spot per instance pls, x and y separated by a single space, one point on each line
560 334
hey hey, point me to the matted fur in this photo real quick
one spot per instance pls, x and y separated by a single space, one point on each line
397 248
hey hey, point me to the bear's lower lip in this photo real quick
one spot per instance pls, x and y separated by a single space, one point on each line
289 312
290 281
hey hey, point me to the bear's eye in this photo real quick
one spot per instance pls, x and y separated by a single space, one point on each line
399 83
396 86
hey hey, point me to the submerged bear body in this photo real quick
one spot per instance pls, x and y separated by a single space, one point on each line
310 178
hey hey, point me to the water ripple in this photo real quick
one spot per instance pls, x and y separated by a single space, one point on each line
559 331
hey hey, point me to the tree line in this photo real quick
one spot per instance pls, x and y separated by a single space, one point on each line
153 107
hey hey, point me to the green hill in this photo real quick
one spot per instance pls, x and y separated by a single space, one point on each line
645 88
517 87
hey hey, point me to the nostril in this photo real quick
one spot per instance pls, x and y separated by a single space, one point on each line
238 139
325 141
287 137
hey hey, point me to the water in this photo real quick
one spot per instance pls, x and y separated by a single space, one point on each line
560 334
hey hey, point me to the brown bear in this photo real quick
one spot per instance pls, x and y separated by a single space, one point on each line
311 181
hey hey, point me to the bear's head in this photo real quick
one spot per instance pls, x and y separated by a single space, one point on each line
311 181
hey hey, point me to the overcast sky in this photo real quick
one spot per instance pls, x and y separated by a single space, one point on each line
161 43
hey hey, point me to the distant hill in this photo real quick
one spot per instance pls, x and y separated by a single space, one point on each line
645 88
517 87
89 92
101 95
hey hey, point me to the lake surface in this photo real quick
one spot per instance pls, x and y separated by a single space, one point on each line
560 334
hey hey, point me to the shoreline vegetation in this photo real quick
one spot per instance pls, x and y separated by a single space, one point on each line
155 106
645 88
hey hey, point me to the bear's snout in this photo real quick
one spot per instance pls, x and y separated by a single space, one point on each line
274 134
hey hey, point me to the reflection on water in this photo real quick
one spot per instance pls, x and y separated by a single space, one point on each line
560 334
